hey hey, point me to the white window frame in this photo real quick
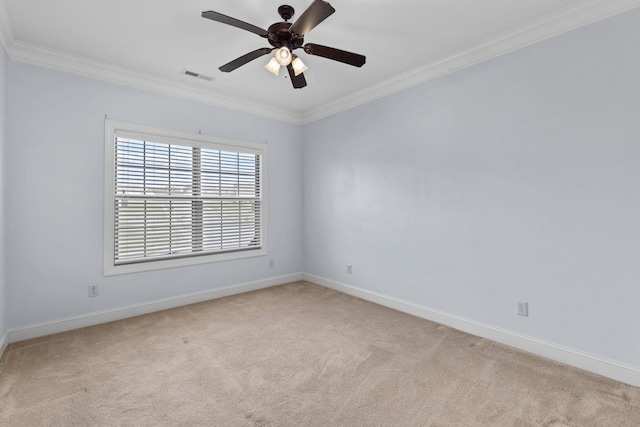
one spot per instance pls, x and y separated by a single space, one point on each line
112 128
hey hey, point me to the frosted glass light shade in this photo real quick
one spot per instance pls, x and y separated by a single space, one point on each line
273 66
283 56
298 65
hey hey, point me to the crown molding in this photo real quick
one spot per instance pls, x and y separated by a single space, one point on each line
585 13
28 53
559 23
6 31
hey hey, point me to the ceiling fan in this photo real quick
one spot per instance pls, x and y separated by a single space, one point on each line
285 37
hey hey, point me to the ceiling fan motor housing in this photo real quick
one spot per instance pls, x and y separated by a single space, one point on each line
279 36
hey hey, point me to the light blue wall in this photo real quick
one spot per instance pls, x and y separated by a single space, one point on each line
55 206
516 179
4 305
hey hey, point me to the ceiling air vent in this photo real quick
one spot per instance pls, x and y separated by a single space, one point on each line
198 75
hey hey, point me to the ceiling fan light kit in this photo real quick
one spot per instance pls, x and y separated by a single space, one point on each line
285 37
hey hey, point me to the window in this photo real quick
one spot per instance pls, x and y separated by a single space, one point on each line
176 199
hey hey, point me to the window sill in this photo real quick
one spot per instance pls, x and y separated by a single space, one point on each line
112 270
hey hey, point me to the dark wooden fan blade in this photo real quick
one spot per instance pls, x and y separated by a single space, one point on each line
354 59
239 62
298 81
315 14
215 16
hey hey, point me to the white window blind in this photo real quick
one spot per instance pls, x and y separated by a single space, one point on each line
176 199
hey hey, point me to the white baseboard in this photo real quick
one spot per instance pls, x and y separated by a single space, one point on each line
90 319
4 343
607 368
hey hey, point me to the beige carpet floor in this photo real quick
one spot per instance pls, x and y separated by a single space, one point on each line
295 355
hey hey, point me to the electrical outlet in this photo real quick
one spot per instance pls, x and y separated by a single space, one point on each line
272 263
93 291
523 308
349 269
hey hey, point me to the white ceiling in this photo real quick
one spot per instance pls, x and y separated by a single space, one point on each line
150 43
